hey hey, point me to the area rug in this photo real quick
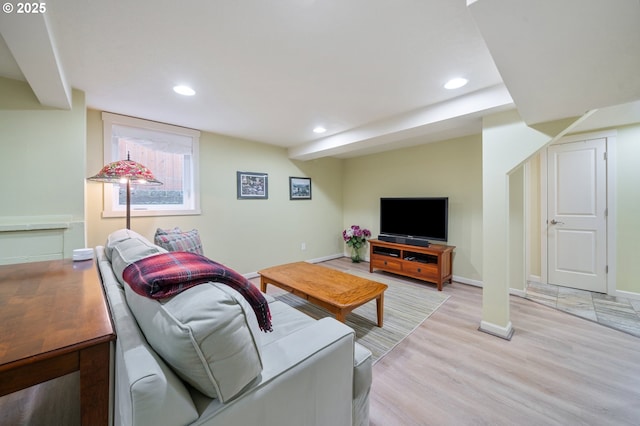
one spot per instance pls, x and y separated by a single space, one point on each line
406 306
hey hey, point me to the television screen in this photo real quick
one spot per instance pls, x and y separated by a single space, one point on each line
425 218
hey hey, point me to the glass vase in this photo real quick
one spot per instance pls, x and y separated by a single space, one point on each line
356 256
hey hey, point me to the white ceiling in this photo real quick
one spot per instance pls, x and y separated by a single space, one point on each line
370 71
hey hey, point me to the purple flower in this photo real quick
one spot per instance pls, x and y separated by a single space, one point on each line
355 236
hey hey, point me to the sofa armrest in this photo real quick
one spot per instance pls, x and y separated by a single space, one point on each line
362 379
307 379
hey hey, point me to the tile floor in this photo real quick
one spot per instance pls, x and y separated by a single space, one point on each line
616 312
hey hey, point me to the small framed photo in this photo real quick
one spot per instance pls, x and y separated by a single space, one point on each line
299 188
252 185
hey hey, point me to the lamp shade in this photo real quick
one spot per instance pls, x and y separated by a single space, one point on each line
125 170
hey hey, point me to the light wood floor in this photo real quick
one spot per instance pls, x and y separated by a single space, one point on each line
557 370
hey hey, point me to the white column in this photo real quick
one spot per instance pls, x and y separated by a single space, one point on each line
507 142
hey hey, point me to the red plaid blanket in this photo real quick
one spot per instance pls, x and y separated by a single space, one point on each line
167 274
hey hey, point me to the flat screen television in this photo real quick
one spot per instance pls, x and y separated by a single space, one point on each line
414 221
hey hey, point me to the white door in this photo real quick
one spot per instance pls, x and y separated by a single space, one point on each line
576 215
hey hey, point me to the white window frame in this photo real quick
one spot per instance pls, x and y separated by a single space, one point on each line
111 206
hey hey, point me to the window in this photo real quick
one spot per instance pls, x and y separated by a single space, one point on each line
170 152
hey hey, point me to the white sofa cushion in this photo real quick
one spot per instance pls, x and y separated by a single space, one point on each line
127 251
208 334
117 237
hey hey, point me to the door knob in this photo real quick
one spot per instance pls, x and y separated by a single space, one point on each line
555 222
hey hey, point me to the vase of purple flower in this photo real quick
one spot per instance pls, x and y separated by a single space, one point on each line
356 238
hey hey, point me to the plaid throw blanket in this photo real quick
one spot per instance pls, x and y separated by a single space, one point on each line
167 274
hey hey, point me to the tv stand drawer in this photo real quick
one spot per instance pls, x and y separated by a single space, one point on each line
387 263
420 269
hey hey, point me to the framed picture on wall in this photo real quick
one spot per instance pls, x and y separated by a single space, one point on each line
252 185
299 188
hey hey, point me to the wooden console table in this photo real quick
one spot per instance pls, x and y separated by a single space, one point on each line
433 263
55 321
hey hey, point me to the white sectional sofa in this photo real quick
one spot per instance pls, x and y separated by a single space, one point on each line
304 372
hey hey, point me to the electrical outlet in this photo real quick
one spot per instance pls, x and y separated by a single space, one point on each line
303 246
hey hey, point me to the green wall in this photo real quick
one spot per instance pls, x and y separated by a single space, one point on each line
46 154
628 209
42 164
533 218
627 232
516 278
246 235
450 168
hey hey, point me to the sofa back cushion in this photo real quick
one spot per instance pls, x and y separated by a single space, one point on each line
208 334
130 250
117 237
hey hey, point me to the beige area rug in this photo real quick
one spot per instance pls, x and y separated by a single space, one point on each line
406 306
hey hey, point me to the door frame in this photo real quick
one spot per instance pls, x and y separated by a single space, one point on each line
611 186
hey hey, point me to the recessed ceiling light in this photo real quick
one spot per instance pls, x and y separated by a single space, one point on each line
319 129
184 90
456 83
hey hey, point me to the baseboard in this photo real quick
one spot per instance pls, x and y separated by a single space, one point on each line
617 293
476 283
456 278
250 275
535 279
325 258
495 330
468 281
517 292
628 294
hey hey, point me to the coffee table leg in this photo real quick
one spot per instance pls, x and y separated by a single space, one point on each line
341 316
263 284
380 309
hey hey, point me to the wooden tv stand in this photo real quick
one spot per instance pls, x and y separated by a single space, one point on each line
432 264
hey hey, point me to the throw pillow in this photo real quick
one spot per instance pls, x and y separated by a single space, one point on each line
176 240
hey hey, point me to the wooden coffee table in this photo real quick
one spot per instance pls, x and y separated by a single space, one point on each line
338 292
